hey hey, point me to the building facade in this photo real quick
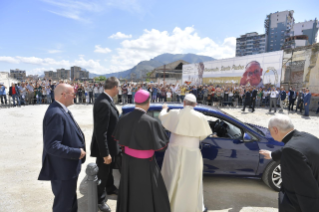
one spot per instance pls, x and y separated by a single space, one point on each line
295 41
278 27
308 28
250 44
18 74
51 75
77 73
63 74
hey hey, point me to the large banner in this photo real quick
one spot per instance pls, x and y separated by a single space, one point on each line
254 70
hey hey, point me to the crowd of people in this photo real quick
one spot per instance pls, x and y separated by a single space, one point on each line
42 92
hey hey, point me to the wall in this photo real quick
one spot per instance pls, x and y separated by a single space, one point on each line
300 69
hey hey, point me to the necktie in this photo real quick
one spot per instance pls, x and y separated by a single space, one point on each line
75 123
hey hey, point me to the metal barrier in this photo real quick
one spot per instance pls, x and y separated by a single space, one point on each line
92 182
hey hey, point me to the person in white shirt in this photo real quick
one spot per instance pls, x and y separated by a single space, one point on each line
273 99
129 94
96 91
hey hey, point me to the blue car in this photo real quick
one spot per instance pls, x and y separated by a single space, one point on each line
235 150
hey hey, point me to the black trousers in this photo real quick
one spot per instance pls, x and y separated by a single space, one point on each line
291 103
246 104
299 103
253 104
91 97
5 99
65 199
107 181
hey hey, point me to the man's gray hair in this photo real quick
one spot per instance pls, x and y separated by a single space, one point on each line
282 122
111 83
189 103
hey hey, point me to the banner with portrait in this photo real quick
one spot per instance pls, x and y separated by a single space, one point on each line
254 70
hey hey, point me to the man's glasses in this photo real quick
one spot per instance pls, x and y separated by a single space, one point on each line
253 73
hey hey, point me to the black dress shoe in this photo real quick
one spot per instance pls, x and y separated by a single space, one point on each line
114 192
206 210
104 207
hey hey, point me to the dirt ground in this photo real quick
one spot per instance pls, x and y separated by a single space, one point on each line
21 153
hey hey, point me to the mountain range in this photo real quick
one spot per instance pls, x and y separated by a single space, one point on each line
146 66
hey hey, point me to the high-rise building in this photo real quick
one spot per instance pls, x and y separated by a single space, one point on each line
308 28
63 74
51 75
250 43
77 73
277 28
18 74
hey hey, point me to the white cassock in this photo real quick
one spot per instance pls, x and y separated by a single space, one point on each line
182 168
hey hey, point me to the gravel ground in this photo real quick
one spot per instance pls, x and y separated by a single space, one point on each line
21 152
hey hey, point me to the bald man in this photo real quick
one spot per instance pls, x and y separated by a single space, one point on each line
63 150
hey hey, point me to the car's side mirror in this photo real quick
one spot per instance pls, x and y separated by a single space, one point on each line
247 137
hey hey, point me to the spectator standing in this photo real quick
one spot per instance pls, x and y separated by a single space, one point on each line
205 95
129 94
292 98
300 100
124 95
3 94
48 90
30 93
80 91
86 89
101 88
120 94
52 90
91 87
273 99
259 96
253 99
169 95
14 92
44 93
39 94
282 98
247 98
307 99
75 87
23 94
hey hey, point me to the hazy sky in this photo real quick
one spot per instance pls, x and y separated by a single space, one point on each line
107 36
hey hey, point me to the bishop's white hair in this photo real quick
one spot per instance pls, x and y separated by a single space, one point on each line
282 122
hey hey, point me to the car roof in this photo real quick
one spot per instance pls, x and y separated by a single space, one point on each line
158 106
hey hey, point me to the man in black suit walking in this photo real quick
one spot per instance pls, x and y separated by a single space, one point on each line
292 95
253 99
247 98
103 146
299 160
63 150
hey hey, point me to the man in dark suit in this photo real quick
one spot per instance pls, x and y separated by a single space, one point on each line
103 146
307 98
253 99
63 150
247 98
299 160
292 95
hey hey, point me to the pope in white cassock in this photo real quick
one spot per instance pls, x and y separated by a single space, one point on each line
182 168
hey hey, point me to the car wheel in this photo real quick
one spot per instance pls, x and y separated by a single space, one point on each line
272 176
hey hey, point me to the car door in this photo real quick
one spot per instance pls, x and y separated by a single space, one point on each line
230 156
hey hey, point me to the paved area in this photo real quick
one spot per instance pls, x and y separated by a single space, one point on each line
21 152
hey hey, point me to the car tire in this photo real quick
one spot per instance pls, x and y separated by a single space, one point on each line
272 176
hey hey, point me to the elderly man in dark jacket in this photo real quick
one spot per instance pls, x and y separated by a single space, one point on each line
299 160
